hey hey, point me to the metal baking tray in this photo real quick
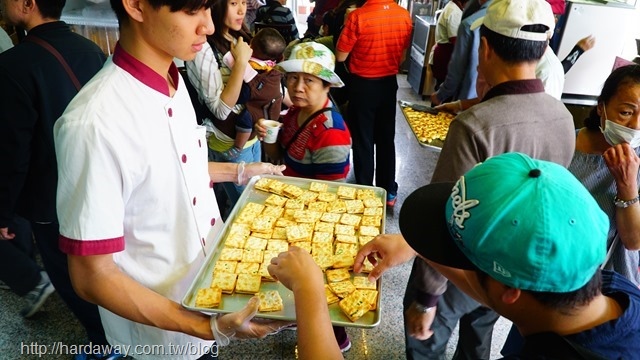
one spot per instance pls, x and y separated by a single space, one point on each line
436 144
234 302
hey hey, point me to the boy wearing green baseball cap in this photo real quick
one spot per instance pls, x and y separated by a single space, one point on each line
524 237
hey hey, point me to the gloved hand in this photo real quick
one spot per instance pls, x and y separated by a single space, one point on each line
241 325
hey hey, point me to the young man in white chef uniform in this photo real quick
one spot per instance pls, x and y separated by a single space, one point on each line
135 201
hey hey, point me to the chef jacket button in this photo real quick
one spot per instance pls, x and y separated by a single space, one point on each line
194 201
199 143
170 112
213 221
211 184
204 242
184 158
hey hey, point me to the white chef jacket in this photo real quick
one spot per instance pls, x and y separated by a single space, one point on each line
134 183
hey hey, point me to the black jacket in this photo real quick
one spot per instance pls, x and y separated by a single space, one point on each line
34 91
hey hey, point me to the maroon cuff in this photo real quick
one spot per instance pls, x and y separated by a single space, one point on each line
425 299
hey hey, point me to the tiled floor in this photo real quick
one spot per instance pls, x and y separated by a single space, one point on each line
414 167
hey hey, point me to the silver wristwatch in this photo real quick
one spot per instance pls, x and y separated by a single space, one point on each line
422 309
625 203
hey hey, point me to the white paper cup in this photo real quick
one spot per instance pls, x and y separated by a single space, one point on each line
272 127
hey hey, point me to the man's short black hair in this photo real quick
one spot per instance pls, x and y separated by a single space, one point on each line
174 5
516 50
51 9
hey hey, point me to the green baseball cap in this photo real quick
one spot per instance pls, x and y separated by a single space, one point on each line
529 224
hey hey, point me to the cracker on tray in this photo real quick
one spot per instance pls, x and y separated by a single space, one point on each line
350 219
347 239
294 204
226 282
248 283
250 255
318 187
322 226
272 210
345 230
277 187
330 217
256 243
247 268
365 194
376 211
304 245
298 233
263 184
337 206
263 223
279 233
347 249
337 275
371 296
230 254
264 272
275 200
292 191
373 202
322 237
270 301
342 288
209 297
278 245
354 206
343 261
235 240
369 230
327 197
354 306
346 192
319 206
371 220
362 282
225 266
331 297
308 197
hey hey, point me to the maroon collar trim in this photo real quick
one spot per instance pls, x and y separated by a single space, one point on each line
143 73
515 87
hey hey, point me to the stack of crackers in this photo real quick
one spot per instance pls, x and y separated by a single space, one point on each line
331 224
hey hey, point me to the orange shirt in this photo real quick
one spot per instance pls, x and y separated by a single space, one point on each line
375 36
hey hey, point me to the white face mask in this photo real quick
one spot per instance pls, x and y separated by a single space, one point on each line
616 134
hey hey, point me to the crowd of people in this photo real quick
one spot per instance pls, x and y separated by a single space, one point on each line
111 172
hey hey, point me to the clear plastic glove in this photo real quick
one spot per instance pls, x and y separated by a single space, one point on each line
258 168
241 325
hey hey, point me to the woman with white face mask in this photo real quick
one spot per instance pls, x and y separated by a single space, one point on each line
606 161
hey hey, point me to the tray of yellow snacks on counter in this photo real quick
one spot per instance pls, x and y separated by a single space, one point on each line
331 220
429 125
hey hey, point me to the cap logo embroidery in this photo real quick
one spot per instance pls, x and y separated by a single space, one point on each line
460 204
499 269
